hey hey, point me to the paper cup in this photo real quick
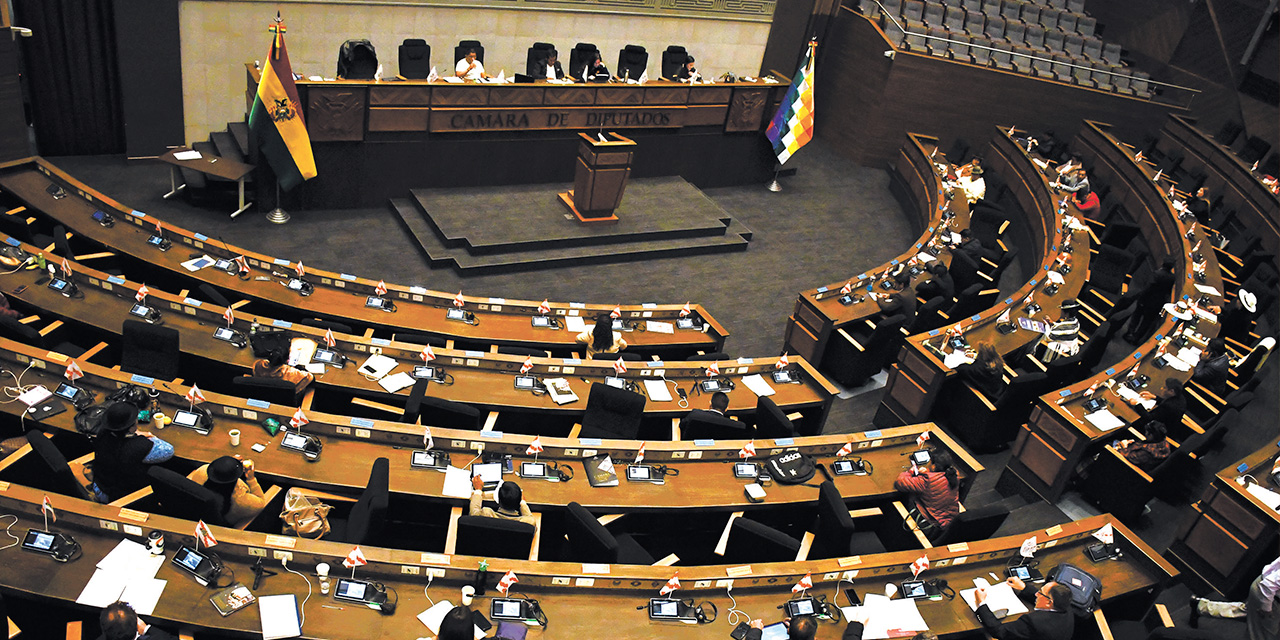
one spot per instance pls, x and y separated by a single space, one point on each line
468 594
235 437
890 589
322 570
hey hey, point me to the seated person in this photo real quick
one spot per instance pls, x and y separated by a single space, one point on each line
6 310
1051 619
1199 205
969 177
1214 366
1153 449
985 373
1236 318
468 68
1087 203
1072 182
595 71
806 627
119 622
719 405
897 303
687 72
602 338
1069 167
511 504
940 284
276 365
121 453
457 625
1170 405
971 246
233 480
1062 338
933 493
549 67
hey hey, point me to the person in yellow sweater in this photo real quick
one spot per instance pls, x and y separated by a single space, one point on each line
233 480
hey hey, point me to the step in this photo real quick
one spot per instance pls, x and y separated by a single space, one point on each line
241 132
226 145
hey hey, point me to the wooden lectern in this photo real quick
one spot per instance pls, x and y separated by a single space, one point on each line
600 178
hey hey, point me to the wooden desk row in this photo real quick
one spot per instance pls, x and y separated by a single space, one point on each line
705 481
819 316
578 599
1057 437
1229 535
480 378
916 380
337 296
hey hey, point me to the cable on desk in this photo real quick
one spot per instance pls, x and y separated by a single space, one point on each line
736 616
9 533
303 609
430 578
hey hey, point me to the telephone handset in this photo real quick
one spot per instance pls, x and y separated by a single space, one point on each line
303 287
461 315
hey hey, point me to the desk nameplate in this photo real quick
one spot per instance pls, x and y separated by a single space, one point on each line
455 120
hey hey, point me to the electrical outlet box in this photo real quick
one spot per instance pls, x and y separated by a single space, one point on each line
282 555
457 444
109 525
702 584
849 575
559 581
410 570
677 455
570 453
477 446
435 573
132 530
724 583
587 453
257 553
344 431
375 350
695 455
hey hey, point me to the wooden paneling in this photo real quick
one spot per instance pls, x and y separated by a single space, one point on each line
1215 545
383 119
336 113
709 94
459 97
746 110
393 95
502 96
675 95
574 96
13 128
628 95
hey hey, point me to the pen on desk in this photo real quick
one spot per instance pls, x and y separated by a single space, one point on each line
327 606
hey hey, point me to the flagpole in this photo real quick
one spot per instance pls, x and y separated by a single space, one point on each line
774 185
278 215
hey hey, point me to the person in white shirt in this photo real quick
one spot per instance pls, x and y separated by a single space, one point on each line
469 68
549 68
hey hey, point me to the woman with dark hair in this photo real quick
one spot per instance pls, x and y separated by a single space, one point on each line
1148 454
457 624
233 480
276 365
934 493
1087 202
986 372
602 338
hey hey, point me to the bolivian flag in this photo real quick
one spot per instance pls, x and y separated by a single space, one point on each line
276 118
792 125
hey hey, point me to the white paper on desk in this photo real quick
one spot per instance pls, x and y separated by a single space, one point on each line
657 390
925 257
999 597
1176 363
757 385
1104 420
316 78
376 366
956 358
187 155
887 618
279 614
103 588
659 326
196 264
127 556
1206 289
433 616
143 595
1189 355
397 381
457 483
314 368
1267 496
575 323
452 79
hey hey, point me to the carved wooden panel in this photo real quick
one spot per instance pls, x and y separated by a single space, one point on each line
706 115
669 95
460 96
1215 545
403 95
709 95
628 95
569 96
1051 427
522 96
399 118
1238 513
908 394
1041 458
746 110
336 114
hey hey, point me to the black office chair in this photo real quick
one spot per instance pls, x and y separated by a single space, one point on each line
11 329
460 51
365 522
413 406
706 425
438 412
977 524
713 356
52 472
415 59
771 421
633 60
627 356
588 541
1111 470
858 357
578 57
928 316
420 339
213 295
750 542
967 272
357 60
1120 234
611 413
537 55
989 424
835 535
672 59
972 300
512 350
337 327
494 537
150 350
179 497
273 390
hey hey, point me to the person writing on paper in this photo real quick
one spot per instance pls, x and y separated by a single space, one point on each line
276 365
122 453
940 284
985 373
1051 619
119 622
601 338
687 72
934 493
457 625
511 504
595 71
549 68
1170 406
1149 453
233 480
468 68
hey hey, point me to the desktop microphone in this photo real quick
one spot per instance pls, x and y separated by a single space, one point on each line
234 267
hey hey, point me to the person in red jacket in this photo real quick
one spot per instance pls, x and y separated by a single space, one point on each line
934 493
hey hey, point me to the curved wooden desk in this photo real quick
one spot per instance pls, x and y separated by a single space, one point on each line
578 600
1057 436
337 296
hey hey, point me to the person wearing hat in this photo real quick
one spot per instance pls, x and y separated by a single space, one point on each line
969 177
121 454
1214 366
1235 320
1062 338
233 480
687 72
1149 302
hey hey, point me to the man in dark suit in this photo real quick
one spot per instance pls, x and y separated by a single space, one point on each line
1150 301
940 283
119 622
1170 406
1199 205
1051 619
549 67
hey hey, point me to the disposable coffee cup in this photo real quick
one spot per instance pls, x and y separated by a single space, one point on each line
468 594
235 437
322 570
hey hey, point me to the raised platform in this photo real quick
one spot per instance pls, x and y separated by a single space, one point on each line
524 227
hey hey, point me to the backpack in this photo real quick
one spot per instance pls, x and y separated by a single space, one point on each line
1086 590
791 467
264 343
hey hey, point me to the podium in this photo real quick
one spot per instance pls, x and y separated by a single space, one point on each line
600 178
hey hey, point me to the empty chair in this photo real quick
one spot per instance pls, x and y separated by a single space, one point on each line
1141 87
868 8
1067 22
1075 6
1073 45
179 497
582 53
938 42
991 8
438 412
1062 67
913 11
836 536
894 33
960 49
1013 32
493 537
367 518
995 28
934 14
1002 57
1081 74
892 7
972 300
1058 4
927 316
771 422
633 60
1049 18
1022 59
1042 67
1086 25
972 6
674 57
858 357
1092 49
981 52
273 390
1054 40
966 272
415 59
52 473
536 57
590 542
1122 83
976 524
460 51
1226 136
974 24
611 413
1102 76
1011 10
750 541
357 60
1120 234
954 20
916 40
1031 13
150 350
1034 36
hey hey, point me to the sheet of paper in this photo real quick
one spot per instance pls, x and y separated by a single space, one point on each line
888 618
659 327
999 596
103 588
575 324
757 385
457 482
190 154
1104 420
433 616
376 366
315 368
453 79
196 264
279 615
143 595
925 257
397 381
657 390
606 465
1206 289
956 358
131 560
1267 496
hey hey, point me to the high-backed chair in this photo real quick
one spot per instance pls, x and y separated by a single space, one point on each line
972 525
273 390
835 535
970 301
706 425
672 59
367 518
611 413
588 541
52 471
357 60
927 317
771 421
12 329
749 541
537 55
492 537
633 60
516 350
858 357
438 412
460 51
415 59
179 497
1112 470
990 424
578 57
150 350
419 338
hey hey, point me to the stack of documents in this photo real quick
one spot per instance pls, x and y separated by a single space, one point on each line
1001 599
127 573
887 618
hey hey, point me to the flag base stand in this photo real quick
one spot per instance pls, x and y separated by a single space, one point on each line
774 185
277 215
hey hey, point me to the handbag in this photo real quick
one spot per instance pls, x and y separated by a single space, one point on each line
303 516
